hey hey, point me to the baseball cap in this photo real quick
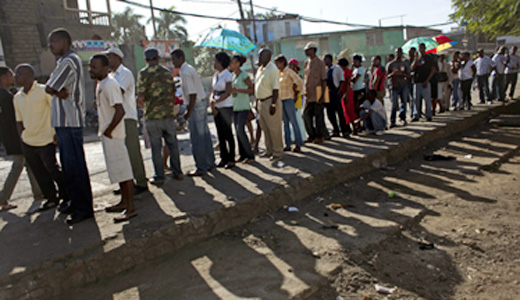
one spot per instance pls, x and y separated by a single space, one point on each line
115 51
151 53
310 46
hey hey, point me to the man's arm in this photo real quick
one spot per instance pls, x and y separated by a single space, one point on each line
193 99
272 109
19 126
118 116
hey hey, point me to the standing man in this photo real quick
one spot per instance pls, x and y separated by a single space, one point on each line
156 94
399 74
33 116
377 78
314 84
196 113
513 66
109 100
11 141
424 71
358 81
484 66
455 80
66 87
267 85
467 75
499 79
335 81
126 81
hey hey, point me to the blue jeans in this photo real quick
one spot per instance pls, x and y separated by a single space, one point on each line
455 84
157 130
483 87
374 122
74 169
420 94
289 118
404 92
201 145
244 147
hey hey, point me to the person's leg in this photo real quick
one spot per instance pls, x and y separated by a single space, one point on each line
301 124
290 111
394 94
249 125
35 188
418 101
513 79
426 93
286 123
456 93
341 116
74 168
220 125
481 88
244 148
308 119
377 122
227 114
43 171
264 123
321 130
171 142
47 155
134 152
331 113
12 178
404 93
127 201
200 137
502 87
411 102
367 123
275 122
153 127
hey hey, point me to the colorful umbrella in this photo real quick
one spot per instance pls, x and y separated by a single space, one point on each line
428 42
442 47
227 39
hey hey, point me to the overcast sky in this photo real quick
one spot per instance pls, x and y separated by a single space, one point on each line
419 13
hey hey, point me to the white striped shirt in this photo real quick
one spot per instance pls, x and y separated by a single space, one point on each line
68 74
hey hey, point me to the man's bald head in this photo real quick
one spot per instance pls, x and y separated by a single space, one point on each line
264 56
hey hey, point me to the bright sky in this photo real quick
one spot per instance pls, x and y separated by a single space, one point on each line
418 13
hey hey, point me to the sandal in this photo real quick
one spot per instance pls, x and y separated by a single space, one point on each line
115 208
124 216
8 207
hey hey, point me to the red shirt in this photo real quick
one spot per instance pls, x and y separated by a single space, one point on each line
380 72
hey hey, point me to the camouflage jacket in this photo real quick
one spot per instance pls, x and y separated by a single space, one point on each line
155 84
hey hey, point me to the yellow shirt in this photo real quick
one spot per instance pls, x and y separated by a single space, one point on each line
34 111
289 78
267 79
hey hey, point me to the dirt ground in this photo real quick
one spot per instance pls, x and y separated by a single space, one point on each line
432 229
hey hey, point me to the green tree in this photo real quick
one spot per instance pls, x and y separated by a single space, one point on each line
493 18
128 28
204 57
169 26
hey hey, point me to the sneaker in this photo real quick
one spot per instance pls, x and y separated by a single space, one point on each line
288 148
430 119
318 141
415 120
157 182
393 125
380 132
140 189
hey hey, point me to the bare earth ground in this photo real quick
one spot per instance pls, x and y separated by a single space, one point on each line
471 217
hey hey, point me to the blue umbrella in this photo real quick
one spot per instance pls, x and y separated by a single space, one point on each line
227 39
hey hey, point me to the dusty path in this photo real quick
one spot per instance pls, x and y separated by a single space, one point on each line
471 217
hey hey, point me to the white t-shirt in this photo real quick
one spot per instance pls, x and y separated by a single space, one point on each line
360 83
191 84
484 65
513 65
126 80
219 85
376 107
108 94
500 63
466 72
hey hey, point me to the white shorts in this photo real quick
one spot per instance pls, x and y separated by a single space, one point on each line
117 160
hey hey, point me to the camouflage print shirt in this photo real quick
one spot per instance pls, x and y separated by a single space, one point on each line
155 84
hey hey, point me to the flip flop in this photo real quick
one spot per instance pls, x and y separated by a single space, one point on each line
124 217
115 209
8 207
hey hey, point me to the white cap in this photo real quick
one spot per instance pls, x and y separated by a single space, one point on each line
310 45
115 51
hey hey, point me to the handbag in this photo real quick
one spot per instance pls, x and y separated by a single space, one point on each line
442 77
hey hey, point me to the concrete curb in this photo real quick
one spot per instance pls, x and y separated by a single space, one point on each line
90 265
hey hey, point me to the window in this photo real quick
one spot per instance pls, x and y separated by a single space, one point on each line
374 38
287 29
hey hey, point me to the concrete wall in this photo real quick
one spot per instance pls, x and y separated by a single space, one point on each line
275 29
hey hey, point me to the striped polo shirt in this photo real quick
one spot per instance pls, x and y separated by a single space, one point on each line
68 74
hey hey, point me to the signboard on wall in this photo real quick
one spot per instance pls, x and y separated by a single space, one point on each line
86 48
164 47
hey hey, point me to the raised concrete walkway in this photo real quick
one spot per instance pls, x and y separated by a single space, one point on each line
42 256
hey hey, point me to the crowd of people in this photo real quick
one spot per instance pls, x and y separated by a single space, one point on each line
289 108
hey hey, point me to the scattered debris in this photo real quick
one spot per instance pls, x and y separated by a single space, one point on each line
468 156
320 199
392 194
316 254
330 227
438 157
336 206
387 168
384 290
292 209
426 245
280 164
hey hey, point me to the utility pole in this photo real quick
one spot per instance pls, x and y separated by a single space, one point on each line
153 21
246 33
254 24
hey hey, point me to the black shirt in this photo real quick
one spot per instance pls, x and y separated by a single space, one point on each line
8 131
423 68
